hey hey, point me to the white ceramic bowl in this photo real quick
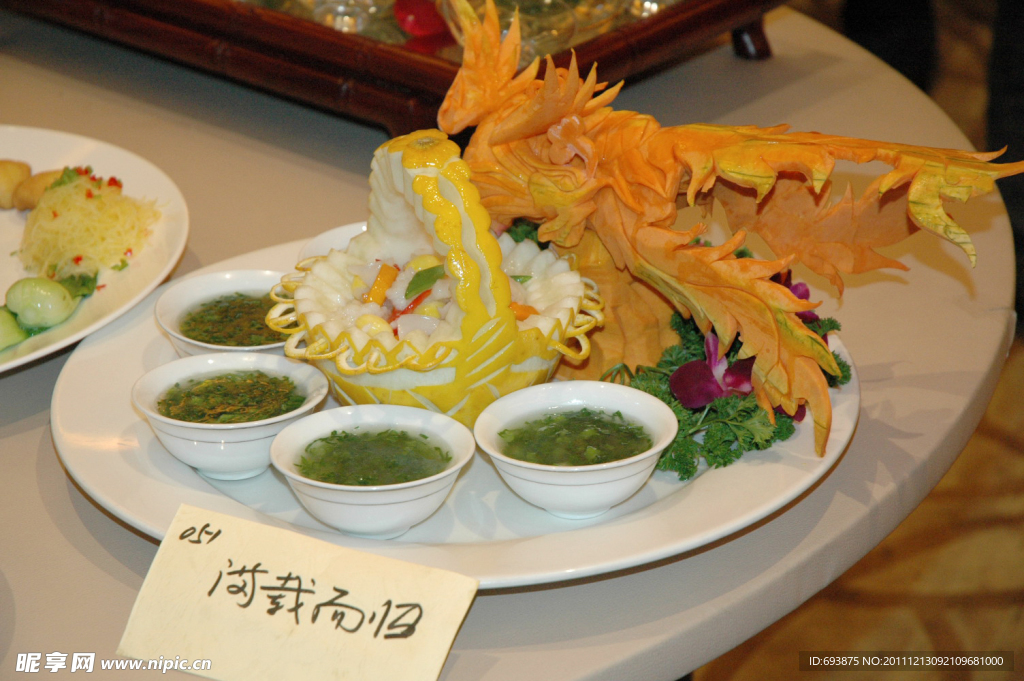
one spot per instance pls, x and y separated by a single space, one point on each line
186 294
379 512
229 451
576 491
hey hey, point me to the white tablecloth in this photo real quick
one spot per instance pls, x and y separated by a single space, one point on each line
257 171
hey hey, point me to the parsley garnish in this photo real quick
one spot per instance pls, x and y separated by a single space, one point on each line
823 325
522 229
723 431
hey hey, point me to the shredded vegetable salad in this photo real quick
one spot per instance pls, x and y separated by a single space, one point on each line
84 223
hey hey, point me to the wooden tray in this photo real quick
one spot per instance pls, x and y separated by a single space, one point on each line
382 84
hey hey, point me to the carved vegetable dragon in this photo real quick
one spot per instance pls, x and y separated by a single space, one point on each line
603 184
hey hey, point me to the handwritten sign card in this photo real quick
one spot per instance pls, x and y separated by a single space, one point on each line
261 602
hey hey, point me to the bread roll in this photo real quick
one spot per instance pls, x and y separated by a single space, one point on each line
27 194
12 173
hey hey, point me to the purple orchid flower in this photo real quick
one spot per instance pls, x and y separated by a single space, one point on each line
698 383
797 416
798 289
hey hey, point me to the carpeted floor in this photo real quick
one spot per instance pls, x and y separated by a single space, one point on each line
951 577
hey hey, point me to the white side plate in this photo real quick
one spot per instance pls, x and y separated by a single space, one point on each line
52 150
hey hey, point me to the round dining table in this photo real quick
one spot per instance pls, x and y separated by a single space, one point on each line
257 171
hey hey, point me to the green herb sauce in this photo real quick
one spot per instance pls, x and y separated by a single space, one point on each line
575 438
236 320
387 457
238 397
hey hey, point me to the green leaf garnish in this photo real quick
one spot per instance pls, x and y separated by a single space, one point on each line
79 285
69 175
423 280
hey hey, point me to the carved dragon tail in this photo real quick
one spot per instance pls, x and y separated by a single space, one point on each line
776 184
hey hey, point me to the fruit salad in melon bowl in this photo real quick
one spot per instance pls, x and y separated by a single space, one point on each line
427 307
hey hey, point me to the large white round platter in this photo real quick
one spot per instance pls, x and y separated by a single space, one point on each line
52 150
483 530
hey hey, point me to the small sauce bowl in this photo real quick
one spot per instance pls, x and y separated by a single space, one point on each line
224 451
187 294
382 511
576 492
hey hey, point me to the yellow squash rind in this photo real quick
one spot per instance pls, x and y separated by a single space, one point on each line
421 195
